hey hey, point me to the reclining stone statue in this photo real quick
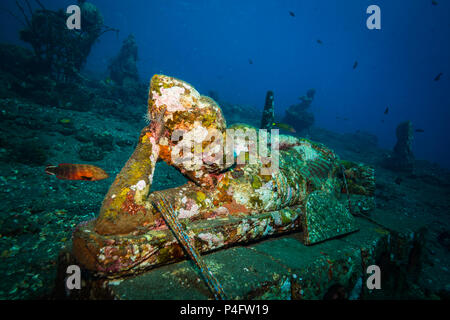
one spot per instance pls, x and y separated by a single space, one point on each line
235 194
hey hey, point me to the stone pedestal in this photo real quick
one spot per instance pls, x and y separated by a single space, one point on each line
277 268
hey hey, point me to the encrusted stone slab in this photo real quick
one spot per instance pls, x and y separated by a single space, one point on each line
249 270
325 217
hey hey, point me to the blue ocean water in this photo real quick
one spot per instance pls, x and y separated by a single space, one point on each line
209 44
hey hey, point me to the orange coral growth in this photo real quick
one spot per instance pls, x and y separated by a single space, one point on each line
235 208
130 206
165 154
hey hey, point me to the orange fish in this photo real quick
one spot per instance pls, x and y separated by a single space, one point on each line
71 171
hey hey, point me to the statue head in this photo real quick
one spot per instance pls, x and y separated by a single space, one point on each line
194 127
